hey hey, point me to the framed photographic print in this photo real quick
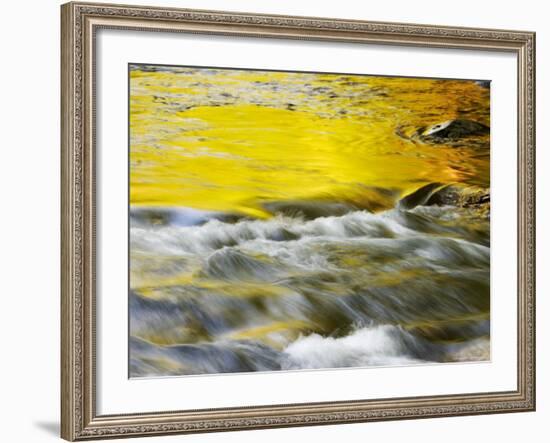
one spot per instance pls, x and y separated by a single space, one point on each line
282 221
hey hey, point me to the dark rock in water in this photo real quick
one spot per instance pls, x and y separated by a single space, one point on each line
149 216
452 129
484 83
447 196
461 197
450 195
418 197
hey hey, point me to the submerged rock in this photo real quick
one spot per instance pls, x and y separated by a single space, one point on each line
165 216
436 194
360 198
308 210
419 197
452 129
459 196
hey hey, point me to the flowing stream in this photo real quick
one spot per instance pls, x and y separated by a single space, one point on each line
285 221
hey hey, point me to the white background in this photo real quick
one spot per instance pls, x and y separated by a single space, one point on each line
29 179
117 394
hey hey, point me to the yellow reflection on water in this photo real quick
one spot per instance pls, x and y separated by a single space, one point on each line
228 140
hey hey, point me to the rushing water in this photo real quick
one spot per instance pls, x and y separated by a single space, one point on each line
293 220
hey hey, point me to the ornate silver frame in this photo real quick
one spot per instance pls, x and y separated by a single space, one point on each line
80 21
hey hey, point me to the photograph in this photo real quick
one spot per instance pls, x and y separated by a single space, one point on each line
285 220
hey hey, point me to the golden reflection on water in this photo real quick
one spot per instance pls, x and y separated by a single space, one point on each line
228 140
409 284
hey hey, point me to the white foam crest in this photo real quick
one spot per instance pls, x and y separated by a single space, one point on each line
368 346
213 235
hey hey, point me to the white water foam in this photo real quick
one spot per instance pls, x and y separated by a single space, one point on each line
215 234
369 346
